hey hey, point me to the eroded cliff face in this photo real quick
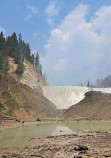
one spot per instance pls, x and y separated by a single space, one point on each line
30 77
24 98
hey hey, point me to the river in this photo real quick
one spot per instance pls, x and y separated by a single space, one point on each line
15 138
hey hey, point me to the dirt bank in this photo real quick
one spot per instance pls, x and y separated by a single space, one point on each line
65 146
95 106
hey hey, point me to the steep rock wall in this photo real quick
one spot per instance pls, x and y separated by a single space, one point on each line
30 77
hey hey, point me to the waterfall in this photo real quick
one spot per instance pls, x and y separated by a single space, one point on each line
65 96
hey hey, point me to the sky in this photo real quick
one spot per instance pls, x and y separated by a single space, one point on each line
73 37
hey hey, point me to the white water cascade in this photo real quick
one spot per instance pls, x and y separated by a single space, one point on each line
65 96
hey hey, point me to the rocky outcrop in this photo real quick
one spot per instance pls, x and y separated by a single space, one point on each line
30 77
95 106
24 98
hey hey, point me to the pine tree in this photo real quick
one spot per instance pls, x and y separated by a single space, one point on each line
88 84
17 49
4 74
27 52
20 66
32 59
2 49
37 62
40 69
12 45
44 76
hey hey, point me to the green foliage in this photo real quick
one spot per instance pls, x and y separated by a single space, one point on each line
2 49
12 104
20 67
9 112
9 102
17 49
103 83
12 81
37 63
88 84
6 95
32 59
1 107
4 74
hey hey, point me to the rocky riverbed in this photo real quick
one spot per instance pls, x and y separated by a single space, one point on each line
97 145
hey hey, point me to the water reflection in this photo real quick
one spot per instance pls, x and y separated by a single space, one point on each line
17 137
93 125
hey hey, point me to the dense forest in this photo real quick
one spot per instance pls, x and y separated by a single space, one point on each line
100 83
16 48
104 82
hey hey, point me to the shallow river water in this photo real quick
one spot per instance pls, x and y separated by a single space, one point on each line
17 137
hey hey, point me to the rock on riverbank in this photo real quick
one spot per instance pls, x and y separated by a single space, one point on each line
97 145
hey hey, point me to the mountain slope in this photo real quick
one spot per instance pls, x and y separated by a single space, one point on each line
22 101
95 106
24 97
30 77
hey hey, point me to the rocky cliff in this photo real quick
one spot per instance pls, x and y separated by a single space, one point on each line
24 98
30 77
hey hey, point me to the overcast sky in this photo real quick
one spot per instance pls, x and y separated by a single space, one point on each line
73 37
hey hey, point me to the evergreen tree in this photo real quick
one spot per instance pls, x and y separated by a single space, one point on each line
32 59
88 84
37 62
12 45
40 69
27 52
2 49
20 66
17 49
4 74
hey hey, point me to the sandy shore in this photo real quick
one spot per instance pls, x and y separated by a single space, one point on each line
65 146
60 146
14 124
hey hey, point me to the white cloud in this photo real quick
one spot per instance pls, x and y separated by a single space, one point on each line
78 50
51 12
32 11
28 17
60 65
2 29
102 21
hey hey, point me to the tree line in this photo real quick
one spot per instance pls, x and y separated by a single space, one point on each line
100 83
104 82
16 48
